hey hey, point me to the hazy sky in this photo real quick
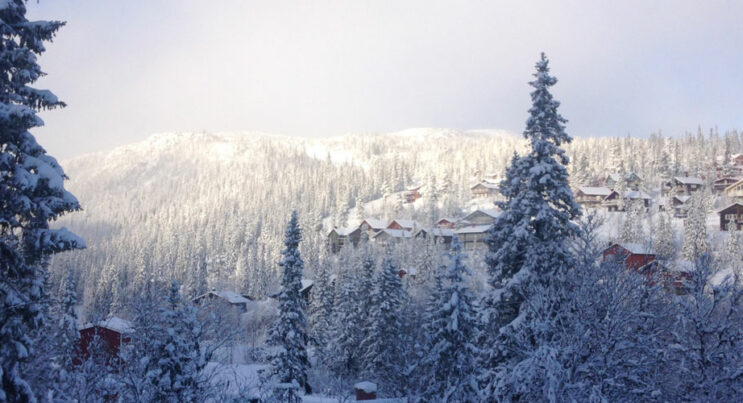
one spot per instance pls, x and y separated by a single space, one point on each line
131 68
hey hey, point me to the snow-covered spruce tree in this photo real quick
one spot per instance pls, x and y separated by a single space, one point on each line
632 229
31 195
381 348
67 336
696 242
664 242
528 241
175 368
450 364
322 311
732 255
288 337
347 327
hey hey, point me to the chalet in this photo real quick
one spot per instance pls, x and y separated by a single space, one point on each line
632 181
388 236
611 202
305 291
591 196
737 159
473 236
373 225
719 185
686 184
228 298
674 277
408 225
479 217
110 334
412 193
441 236
633 255
732 213
484 189
680 206
446 222
735 191
337 237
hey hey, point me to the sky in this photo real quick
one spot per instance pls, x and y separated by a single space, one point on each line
128 69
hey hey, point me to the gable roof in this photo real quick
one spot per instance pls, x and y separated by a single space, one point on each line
443 232
394 233
229 296
491 212
595 191
637 194
734 184
405 223
689 180
342 231
488 185
682 199
722 210
375 223
474 229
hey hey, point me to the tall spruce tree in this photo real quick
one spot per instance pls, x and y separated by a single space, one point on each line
289 334
32 194
382 350
529 239
176 367
449 365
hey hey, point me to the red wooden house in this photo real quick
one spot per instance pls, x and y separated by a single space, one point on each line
110 335
365 391
633 255
412 193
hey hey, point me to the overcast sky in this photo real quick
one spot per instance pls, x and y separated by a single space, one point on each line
131 68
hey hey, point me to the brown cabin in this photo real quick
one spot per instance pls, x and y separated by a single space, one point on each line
731 213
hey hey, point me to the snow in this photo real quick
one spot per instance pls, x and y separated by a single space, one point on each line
366 386
636 248
407 224
231 296
114 323
474 229
687 180
375 223
595 191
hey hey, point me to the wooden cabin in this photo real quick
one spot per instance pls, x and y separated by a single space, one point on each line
732 213
446 222
591 196
407 225
686 184
484 189
412 193
680 205
105 338
228 298
338 237
632 255
735 191
473 236
719 185
441 236
632 181
479 217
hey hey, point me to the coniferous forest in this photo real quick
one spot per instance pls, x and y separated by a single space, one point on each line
423 265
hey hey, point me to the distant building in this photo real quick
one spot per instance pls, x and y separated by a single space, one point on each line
591 196
230 298
479 217
686 184
373 225
338 237
632 255
365 391
408 225
389 236
735 191
719 185
680 206
484 189
412 193
611 202
446 222
441 236
473 236
732 213
632 181
111 334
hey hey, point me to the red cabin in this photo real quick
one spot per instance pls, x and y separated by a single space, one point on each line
111 333
633 255
365 391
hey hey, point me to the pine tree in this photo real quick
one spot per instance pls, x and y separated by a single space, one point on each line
528 241
664 242
382 350
289 334
347 326
32 194
175 372
322 304
449 366
68 335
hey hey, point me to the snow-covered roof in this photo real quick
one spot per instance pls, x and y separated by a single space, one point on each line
306 284
449 219
636 248
114 323
366 386
682 266
595 191
494 213
342 231
731 186
375 223
406 223
474 229
728 206
230 296
394 233
637 194
414 187
682 199
689 180
489 185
